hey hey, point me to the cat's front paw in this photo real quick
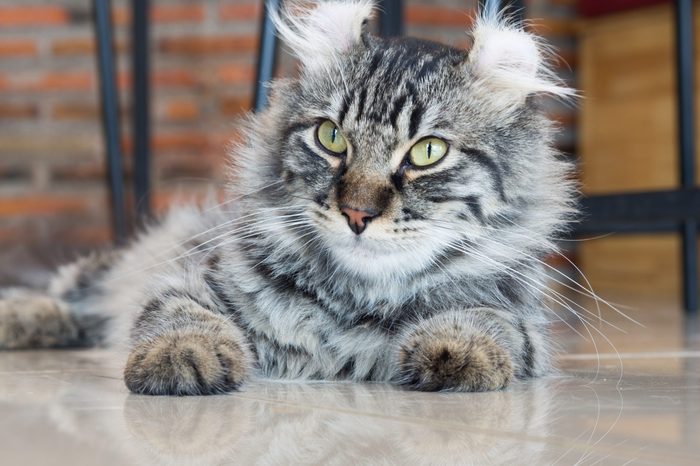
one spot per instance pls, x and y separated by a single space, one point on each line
186 363
456 362
34 321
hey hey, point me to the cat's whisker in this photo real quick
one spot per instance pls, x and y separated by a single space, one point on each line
565 306
217 227
586 291
234 239
188 253
239 197
526 281
521 278
594 296
238 230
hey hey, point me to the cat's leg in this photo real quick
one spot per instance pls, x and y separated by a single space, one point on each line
471 350
182 344
62 316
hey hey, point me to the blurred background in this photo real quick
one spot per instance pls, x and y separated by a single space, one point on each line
53 194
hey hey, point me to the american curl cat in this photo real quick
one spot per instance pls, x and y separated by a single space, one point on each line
385 221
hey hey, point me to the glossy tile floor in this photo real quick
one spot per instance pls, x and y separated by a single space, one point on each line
639 407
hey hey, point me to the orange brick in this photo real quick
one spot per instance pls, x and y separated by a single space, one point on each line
185 166
93 235
240 12
197 45
181 141
59 81
185 13
123 79
17 48
235 74
425 15
9 110
80 46
32 15
188 141
173 78
121 16
49 204
234 106
181 110
86 171
11 236
177 13
76 46
74 111
168 78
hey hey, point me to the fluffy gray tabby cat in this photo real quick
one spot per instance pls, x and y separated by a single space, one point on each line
385 222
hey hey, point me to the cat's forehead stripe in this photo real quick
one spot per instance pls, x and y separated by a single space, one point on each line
361 103
396 65
416 116
396 110
344 109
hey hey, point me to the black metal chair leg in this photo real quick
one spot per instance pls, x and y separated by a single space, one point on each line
267 55
391 18
110 116
686 140
514 8
490 7
141 107
690 265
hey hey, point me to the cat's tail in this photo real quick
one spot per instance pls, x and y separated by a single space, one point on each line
62 316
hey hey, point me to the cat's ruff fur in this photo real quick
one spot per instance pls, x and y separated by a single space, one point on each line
442 292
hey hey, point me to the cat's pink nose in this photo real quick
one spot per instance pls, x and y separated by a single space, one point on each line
358 218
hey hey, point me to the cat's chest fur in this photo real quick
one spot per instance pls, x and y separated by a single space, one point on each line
303 325
306 328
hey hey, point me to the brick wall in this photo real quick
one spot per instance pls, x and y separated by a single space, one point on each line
52 190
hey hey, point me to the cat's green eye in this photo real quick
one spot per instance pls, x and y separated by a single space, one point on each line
330 137
427 151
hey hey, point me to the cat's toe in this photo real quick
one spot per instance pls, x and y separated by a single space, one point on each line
471 364
186 363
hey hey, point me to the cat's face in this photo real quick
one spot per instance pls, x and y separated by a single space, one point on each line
398 153
386 157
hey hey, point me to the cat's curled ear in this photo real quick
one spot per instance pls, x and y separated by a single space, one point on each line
510 63
319 34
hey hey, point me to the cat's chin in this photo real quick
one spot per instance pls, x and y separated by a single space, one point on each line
377 266
365 256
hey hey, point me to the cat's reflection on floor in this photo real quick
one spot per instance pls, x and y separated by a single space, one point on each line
286 423
346 424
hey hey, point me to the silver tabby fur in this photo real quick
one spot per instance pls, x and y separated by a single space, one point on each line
443 291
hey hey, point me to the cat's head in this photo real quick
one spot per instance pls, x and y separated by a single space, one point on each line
400 154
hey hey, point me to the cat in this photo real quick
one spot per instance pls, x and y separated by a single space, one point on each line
385 221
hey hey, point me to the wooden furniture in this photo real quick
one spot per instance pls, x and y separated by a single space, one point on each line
629 142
